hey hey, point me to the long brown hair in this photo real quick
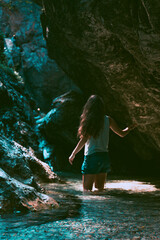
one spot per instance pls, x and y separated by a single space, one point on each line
92 117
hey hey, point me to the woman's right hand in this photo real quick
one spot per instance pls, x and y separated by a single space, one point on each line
115 128
71 158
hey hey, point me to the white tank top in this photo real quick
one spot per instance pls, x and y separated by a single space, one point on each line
99 144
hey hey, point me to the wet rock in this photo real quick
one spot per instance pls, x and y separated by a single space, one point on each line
16 196
110 48
26 52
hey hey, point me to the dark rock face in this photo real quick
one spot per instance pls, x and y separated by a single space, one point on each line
59 128
111 48
26 52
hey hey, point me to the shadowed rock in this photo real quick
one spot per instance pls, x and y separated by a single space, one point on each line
59 127
111 48
26 51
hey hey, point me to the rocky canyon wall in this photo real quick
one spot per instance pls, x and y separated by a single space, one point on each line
111 48
26 52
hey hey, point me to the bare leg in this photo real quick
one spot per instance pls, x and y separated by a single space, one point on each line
88 180
100 180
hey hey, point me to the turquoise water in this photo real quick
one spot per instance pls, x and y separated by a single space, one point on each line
128 209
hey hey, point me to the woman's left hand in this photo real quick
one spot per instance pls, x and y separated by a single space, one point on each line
71 158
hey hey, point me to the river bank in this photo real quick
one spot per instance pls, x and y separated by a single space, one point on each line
128 209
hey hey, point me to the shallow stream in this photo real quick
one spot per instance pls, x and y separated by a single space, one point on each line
128 209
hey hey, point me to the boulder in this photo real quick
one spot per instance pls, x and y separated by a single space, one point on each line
111 48
22 164
16 196
59 129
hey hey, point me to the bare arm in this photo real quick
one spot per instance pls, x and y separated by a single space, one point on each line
115 128
79 146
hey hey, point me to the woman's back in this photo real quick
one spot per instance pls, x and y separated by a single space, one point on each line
99 144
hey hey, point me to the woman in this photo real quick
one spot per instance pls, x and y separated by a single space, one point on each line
94 135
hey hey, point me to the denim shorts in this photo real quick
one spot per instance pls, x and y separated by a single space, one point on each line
95 163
